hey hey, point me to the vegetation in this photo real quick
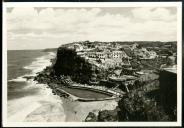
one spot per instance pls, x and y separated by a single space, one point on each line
107 116
137 107
142 103
91 117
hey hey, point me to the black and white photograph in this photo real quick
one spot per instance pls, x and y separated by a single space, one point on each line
92 64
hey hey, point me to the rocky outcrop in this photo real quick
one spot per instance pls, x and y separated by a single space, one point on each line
107 116
103 116
68 63
91 117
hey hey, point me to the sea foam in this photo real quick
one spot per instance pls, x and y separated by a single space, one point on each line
40 107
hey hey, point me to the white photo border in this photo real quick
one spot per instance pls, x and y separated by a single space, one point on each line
178 5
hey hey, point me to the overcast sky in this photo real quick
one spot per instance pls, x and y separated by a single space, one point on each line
38 28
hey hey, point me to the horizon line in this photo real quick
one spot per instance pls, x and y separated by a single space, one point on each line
89 41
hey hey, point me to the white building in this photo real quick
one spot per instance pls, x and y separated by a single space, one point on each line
116 54
91 54
153 54
119 54
100 55
134 46
78 47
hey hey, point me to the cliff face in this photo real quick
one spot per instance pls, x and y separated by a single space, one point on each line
68 63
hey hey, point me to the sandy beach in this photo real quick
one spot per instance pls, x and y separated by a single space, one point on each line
52 108
76 111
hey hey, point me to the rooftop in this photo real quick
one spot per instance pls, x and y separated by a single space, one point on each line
123 78
172 69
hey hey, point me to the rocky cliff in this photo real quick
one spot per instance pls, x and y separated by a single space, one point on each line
68 63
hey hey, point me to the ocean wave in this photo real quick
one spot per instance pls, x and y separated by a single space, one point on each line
39 106
36 109
39 64
18 79
36 66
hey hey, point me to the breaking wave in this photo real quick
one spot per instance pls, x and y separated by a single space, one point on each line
40 105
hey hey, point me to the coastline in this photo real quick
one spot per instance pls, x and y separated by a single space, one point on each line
77 111
45 105
37 103
48 103
74 110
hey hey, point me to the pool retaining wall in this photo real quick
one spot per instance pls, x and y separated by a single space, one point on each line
89 99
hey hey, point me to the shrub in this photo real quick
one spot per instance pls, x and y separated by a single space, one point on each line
137 107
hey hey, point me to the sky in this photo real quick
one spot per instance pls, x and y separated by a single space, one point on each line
39 28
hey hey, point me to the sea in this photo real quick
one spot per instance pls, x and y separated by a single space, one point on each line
29 101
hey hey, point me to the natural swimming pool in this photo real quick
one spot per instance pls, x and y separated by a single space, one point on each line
86 93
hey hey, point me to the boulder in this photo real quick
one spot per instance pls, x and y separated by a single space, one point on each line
107 116
91 117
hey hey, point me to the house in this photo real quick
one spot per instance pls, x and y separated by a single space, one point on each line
78 47
126 62
153 54
134 46
124 81
117 54
101 55
143 53
91 54
128 52
170 62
